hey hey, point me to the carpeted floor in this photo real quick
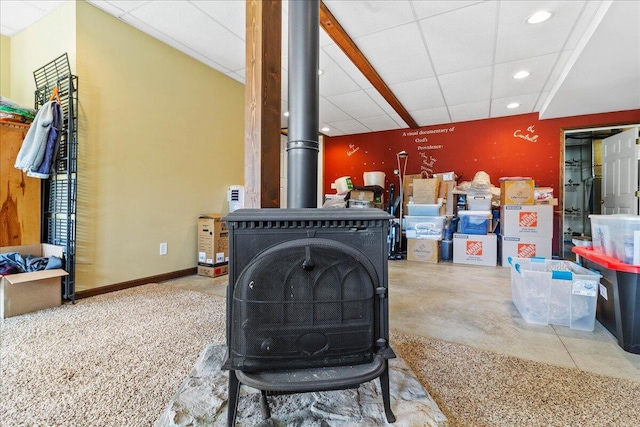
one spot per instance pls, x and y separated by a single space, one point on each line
117 359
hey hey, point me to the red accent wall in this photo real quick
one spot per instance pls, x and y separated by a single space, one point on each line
519 145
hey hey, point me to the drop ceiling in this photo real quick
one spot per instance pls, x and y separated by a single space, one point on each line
445 61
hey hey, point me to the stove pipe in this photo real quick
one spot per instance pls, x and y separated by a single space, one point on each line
302 139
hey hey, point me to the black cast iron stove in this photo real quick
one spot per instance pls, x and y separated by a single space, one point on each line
307 306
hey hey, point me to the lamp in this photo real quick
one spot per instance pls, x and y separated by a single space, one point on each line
402 171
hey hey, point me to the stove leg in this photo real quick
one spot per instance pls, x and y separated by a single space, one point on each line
264 405
232 403
386 398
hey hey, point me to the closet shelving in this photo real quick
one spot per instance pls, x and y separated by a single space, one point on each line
59 192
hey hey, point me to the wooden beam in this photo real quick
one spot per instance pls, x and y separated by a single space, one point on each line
342 39
262 103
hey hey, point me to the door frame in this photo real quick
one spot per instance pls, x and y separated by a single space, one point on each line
565 132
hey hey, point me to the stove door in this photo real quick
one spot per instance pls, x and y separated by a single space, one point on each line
303 303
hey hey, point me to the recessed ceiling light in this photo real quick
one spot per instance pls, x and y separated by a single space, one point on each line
286 114
325 129
513 105
320 72
539 17
521 75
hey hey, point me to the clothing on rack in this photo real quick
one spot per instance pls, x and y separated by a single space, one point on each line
42 138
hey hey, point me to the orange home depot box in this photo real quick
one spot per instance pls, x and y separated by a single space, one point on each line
475 249
527 221
524 247
517 192
423 250
213 239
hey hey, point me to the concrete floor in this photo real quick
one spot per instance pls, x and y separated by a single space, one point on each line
472 305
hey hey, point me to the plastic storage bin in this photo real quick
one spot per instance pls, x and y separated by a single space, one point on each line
617 236
419 209
479 203
424 227
474 222
554 292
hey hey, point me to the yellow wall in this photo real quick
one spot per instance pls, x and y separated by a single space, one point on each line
50 37
160 142
5 70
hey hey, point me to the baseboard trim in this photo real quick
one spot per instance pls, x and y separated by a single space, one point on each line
133 283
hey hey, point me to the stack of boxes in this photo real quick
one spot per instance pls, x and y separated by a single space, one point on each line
526 228
213 246
474 243
424 222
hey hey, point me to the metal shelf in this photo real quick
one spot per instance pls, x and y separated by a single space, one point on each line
59 192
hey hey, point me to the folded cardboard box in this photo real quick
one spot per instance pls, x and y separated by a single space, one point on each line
26 292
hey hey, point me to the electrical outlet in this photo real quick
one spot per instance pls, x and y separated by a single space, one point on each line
163 248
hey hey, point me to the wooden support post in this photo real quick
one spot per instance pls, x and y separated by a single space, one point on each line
262 103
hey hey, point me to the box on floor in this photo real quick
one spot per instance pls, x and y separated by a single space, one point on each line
524 247
213 239
27 292
475 249
424 250
527 221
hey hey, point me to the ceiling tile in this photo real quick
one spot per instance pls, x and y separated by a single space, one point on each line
340 58
349 127
558 69
19 15
470 111
527 105
540 67
229 14
189 26
398 54
330 113
419 94
425 9
379 123
124 5
432 116
462 39
381 14
108 7
467 86
47 6
517 39
334 80
357 104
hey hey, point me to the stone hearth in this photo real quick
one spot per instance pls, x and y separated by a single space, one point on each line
202 401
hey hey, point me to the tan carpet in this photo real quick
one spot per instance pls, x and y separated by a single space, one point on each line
117 359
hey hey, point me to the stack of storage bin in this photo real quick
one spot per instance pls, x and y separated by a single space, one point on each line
554 292
526 228
424 228
474 243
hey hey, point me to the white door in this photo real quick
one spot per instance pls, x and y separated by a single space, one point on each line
620 173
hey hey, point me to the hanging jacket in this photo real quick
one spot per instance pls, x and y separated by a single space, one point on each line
34 145
51 149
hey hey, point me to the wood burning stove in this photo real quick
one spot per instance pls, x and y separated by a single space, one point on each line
307 305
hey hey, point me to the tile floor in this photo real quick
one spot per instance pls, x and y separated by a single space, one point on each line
472 305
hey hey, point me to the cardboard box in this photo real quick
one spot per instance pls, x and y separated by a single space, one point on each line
524 247
213 270
408 188
365 196
517 192
530 220
213 239
27 292
475 249
424 250
426 191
